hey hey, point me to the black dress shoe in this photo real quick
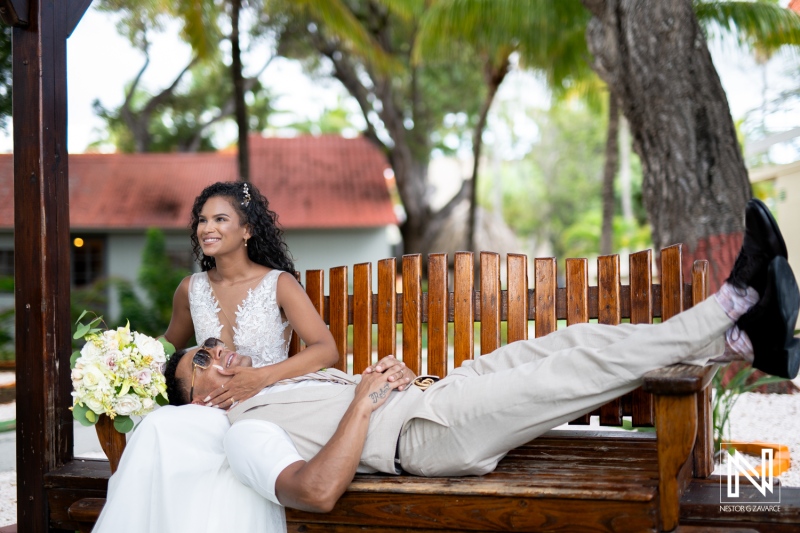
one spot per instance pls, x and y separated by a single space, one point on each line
770 323
762 242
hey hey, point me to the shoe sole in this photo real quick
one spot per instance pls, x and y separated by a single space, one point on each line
778 352
773 224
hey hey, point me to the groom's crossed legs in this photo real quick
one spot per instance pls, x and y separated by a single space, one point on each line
504 399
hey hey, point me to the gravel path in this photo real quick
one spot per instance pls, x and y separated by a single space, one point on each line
772 418
8 498
765 417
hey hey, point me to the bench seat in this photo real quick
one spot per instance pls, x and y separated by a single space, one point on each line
542 485
576 480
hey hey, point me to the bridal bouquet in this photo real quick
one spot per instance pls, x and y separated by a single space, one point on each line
118 373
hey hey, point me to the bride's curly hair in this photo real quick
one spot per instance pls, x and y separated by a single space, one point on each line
266 245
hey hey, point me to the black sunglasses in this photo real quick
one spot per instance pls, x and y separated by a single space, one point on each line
202 359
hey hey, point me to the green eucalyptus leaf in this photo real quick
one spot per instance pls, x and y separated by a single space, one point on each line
79 413
169 348
123 424
162 399
82 315
74 359
82 330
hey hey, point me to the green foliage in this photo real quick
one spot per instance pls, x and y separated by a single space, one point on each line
7 346
411 104
726 395
553 194
762 26
84 415
94 296
335 120
7 284
5 76
549 36
124 424
182 121
158 279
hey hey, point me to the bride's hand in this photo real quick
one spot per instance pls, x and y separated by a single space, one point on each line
246 383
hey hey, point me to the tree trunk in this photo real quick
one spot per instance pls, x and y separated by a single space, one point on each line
494 77
609 173
238 91
625 170
654 58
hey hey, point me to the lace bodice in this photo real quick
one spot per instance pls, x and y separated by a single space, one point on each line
260 332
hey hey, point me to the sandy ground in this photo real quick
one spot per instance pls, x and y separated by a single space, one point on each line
765 417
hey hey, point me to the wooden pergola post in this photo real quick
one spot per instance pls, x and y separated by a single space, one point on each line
41 245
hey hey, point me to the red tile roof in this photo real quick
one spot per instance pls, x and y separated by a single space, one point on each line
311 182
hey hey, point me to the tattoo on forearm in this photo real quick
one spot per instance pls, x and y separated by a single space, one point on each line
375 396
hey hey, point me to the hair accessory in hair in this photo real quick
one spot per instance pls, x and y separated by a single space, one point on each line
246 195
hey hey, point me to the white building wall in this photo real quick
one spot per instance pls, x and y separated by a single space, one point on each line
323 249
311 249
124 260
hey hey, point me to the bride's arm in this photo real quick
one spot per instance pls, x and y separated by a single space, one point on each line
180 328
320 351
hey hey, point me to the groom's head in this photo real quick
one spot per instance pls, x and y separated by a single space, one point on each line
190 374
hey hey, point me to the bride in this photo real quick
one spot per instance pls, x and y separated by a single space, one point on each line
174 475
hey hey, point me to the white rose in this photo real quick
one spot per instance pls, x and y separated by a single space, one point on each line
95 405
143 376
93 376
126 405
90 352
110 361
148 405
149 346
77 374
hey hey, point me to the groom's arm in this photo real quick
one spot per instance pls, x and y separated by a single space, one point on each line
316 485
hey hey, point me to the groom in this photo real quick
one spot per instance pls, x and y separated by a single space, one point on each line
299 444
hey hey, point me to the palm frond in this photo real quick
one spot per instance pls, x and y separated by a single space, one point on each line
755 25
406 9
340 22
200 27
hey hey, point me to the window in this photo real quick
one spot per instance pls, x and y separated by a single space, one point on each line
6 271
88 259
6 262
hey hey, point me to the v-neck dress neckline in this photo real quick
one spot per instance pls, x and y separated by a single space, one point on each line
259 331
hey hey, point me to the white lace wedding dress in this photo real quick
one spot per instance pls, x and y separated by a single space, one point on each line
174 475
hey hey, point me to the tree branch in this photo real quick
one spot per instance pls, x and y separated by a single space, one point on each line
166 93
345 72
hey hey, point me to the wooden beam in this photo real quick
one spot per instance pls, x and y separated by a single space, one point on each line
76 9
15 12
41 244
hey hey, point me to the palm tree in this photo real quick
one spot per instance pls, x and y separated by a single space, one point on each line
545 35
537 29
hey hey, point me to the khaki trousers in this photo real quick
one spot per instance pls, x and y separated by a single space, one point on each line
467 422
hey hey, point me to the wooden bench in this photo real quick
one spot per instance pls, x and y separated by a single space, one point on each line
565 480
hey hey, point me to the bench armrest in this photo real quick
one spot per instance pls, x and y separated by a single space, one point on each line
679 379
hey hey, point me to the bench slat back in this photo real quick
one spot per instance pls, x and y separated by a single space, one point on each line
463 308
438 313
609 302
491 301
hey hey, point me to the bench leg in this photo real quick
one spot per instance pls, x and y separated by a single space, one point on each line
676 430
